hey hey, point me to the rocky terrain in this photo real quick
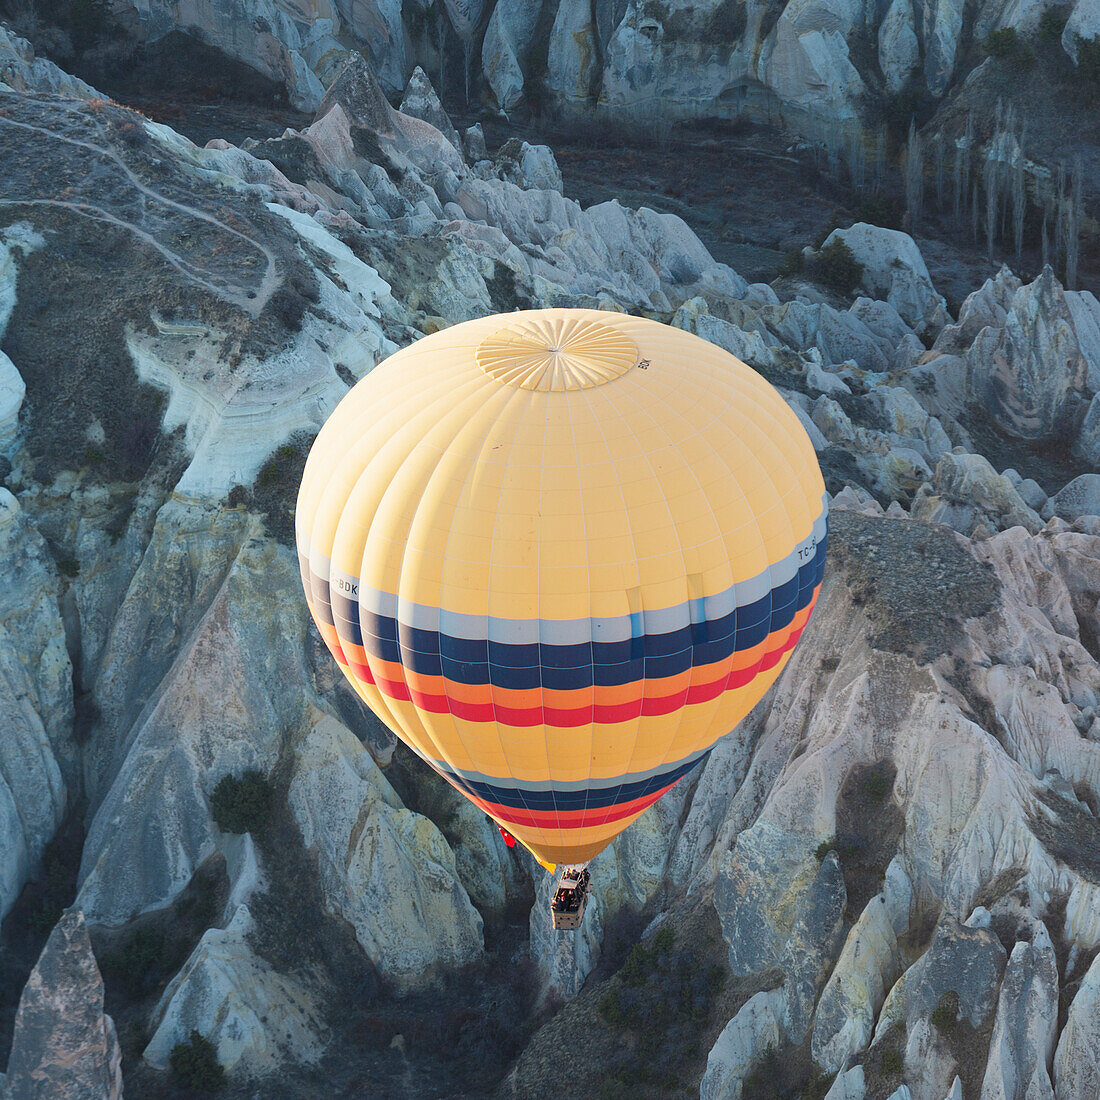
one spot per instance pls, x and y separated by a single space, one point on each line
886 884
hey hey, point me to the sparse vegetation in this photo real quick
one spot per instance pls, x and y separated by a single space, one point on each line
892 1062
276 486
68 567
876 786
1006 45
196 1064
945 1016
241 805
1053 22
791 264
822 850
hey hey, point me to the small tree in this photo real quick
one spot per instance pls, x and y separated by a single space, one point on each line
1088 59
241 805
836 266
196 1064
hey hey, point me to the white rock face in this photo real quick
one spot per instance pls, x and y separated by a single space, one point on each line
1084 21
64 1046
867 967
808 65
234 416
16 240
203 675
420 101
895 270
38 757
531 167
572 60
377 23
507 38
943 26
849 1085
1081 497
384 869
256 1018
1077 1060
1030 373
12 392
269 36
898 47
1025 1029
23 72
741 1046
966 491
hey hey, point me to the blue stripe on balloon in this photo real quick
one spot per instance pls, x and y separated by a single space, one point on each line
524 798
567 667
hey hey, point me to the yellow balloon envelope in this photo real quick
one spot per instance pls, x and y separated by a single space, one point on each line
560 553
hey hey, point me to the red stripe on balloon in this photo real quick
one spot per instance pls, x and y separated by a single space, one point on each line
561 718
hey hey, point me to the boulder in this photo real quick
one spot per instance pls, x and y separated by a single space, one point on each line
1029 374
420 101
894 270
64 1046
742 1045
507 39
39 760
384 869
1077 1059
528 166
1026 1026
966 491
1081 497
256 1018
898 47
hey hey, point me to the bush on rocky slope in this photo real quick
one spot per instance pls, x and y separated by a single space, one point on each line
241 805
196 1064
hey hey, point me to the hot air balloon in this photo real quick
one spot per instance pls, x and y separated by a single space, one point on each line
560 553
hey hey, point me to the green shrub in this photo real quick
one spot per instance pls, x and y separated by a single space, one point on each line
822 850
141 963
1002 43
892 1062
876 787
637 966
1088 59
1006 45
836 266
68 567
945 1016
196 1064
241 805
1053 22
664 939
791 264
